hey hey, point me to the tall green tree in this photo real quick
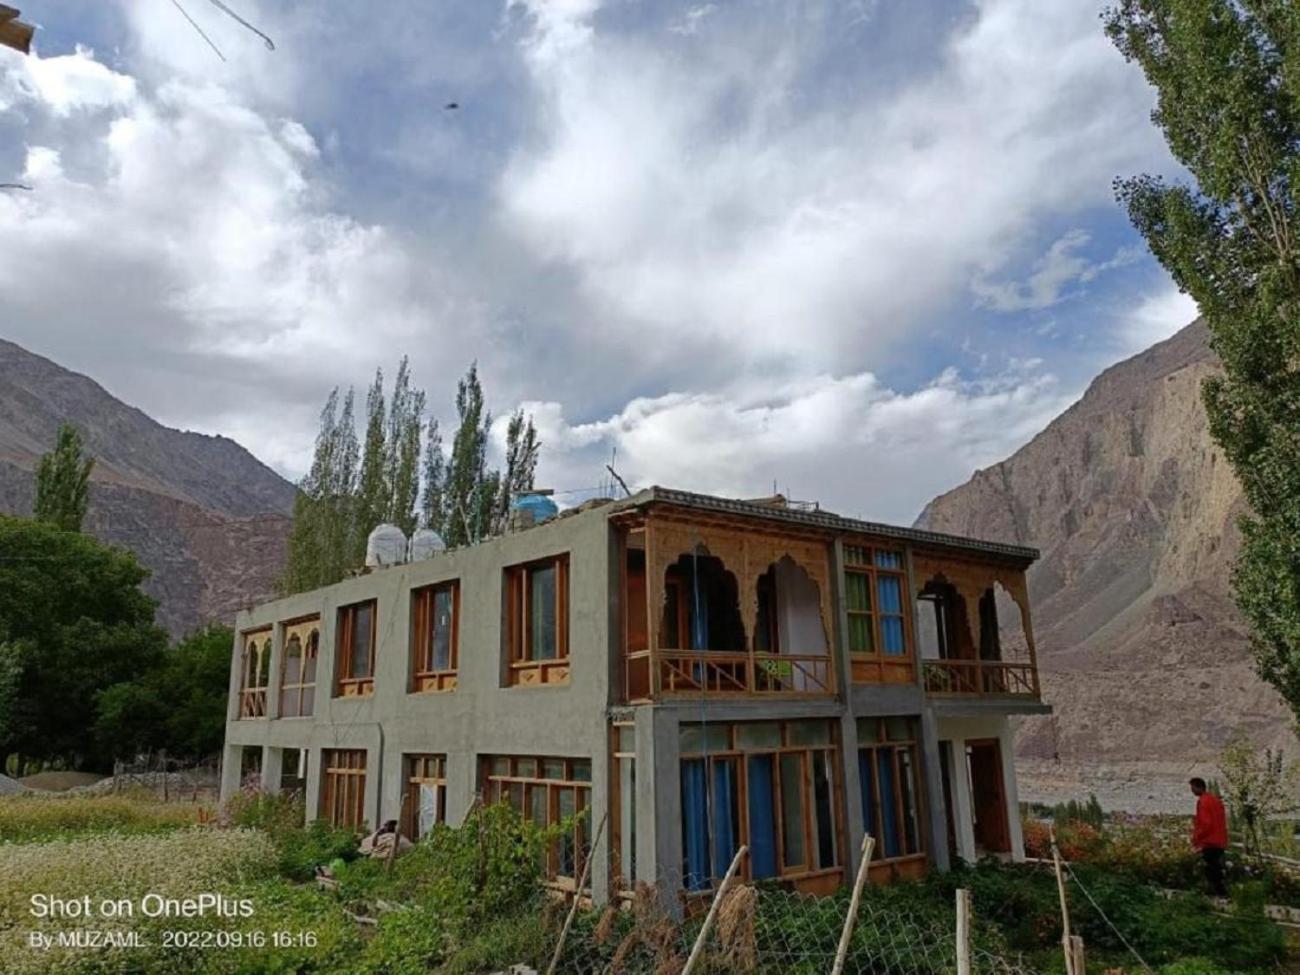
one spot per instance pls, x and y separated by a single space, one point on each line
322 540
63 482
73 621
1227 77
469 488
433 500
522 451
405 424
374 492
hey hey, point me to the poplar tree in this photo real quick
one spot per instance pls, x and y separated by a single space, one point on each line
402 462
374 490
522 449
1227 77
469 488
433 506
63 482
320 544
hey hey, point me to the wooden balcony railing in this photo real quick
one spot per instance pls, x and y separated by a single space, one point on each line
252 702
982 678
687 672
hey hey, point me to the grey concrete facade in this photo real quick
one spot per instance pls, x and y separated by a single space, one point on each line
483 716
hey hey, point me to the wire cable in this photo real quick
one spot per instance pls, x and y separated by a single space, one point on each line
1109 923
193 23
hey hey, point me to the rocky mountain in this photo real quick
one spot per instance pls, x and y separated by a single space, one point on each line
203 514
1143 654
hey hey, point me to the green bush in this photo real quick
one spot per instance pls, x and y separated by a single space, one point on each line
301 850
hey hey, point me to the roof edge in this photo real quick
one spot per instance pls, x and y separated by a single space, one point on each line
826 520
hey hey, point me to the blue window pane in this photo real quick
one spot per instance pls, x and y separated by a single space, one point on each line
888 560
762 817
695 824
889 594
891 635
866 776
889 839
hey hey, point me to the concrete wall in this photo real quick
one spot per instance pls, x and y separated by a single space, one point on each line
480 717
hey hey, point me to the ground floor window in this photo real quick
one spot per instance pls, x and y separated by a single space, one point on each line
424 798
343 786
293 771
773 786
546 792
623 807
887 775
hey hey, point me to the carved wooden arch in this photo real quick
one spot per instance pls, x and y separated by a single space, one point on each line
745 555
971 580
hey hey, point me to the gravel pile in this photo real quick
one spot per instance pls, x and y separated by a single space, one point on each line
10 787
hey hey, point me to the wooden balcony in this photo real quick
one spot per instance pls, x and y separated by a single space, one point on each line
252 702
981 678
653 675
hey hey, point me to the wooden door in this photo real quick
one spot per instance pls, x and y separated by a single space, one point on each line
988 797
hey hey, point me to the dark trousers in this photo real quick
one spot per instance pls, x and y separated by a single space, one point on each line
1213 857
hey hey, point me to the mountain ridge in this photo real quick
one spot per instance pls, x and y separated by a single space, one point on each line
1143 654
208 519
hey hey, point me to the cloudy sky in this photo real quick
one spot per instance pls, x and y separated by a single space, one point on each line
856 248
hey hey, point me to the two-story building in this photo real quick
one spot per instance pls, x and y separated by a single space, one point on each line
703 672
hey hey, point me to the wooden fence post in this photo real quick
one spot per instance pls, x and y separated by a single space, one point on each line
698 948
963 931
577 897
1066 944
868 845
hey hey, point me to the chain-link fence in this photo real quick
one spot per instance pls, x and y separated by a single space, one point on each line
765 927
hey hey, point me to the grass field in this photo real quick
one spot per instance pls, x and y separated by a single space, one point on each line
468 900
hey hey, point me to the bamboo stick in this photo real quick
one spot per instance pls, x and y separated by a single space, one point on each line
698 948
577 897
868 845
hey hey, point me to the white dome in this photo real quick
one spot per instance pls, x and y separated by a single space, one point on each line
425 543
386 546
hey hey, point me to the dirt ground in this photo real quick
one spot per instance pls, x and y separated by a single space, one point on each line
59 781
1136 787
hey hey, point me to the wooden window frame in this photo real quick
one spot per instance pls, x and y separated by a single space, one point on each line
424 676
623 876
499 786
422 768
254 673
344 685
295 693
523 669
343 786
897 746
875 666
804 877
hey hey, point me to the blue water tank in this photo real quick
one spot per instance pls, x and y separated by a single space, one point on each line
533 509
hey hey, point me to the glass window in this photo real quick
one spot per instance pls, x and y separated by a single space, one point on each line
758 735
541 613
792 809
808 733
443 601
361 641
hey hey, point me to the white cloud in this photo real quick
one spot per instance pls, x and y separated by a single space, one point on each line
849 441
693 194
208 214
1053 273
69 83
1158 315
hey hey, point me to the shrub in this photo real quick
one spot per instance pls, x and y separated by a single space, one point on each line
301 850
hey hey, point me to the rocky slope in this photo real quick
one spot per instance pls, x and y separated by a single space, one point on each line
1143 655
205 516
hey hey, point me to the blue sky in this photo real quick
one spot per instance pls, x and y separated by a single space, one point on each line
858 248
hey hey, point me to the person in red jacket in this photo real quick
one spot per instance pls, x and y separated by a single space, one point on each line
1210 834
